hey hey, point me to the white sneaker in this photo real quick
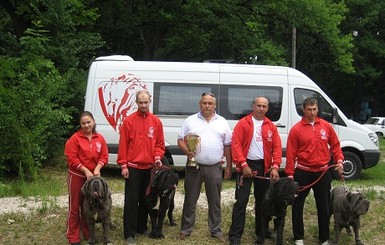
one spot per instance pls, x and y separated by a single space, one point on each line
298 242
325 243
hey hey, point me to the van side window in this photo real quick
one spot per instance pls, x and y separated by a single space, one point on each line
179 99
236 101
325 110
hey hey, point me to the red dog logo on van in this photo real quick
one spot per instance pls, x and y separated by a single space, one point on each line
117 98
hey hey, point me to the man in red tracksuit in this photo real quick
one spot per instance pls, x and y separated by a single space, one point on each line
310 144
141 146
86 152
256 148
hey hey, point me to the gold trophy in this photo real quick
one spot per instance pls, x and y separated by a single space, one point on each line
192 142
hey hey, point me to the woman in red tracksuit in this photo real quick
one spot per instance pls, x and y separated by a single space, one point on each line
86 152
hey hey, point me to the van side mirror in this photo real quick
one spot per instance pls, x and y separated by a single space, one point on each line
335 115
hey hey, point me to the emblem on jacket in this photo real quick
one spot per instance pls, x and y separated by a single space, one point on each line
323 134
269 135
98 147
151 132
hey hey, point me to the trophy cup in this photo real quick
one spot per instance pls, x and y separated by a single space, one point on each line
192 142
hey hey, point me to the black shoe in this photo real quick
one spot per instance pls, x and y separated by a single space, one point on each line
76 243
235 242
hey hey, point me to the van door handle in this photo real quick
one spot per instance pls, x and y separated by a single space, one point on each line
280 125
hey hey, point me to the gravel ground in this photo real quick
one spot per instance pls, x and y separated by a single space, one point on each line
28 205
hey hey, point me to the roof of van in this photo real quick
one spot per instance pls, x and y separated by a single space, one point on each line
229 66
115 57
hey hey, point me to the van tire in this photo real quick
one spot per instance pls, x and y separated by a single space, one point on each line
352 166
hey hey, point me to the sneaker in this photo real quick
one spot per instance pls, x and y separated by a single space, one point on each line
325 243
298 242
130 241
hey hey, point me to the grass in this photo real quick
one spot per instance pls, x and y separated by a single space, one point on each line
48 224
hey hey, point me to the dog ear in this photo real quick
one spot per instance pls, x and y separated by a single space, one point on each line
86 187
349 196
104 187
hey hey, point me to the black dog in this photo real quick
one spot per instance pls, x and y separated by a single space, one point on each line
162 185
278 196
347 208
97 207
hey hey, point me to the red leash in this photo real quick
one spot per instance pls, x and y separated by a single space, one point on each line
302 188
254 176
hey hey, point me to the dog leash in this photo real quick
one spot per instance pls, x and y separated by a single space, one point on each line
152 176
254 175
302 188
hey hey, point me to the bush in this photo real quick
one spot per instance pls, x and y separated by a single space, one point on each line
34 119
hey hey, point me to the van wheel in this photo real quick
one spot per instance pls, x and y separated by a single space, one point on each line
352 166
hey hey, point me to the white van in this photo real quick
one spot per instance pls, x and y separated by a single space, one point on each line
176 88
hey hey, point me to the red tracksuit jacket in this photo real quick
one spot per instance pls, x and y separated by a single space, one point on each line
240 144
141 141
80 151
308 145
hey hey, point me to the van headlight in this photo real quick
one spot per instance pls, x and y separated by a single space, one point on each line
374 138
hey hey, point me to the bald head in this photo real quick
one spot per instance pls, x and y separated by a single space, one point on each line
260 107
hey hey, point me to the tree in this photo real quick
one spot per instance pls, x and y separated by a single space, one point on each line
44 65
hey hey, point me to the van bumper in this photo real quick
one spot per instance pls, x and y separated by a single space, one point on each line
371 158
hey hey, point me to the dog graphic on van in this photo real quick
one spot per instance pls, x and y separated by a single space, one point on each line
117 98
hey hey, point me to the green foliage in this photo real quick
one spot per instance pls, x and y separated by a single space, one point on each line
42 83
33 122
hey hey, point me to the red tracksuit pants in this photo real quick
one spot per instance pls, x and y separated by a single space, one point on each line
75 220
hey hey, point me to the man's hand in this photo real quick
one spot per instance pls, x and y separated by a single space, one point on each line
274 175
125 173
228 172
158 163
340 167
247 173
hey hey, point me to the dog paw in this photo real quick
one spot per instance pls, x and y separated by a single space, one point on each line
359 242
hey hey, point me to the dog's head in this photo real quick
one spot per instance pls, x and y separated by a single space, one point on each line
286 190
96 188
165 182
357 203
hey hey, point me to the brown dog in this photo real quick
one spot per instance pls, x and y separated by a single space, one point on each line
347 208
97 207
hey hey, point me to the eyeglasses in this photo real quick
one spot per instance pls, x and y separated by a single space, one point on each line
208 93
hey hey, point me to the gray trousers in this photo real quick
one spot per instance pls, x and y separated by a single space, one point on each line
212 177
